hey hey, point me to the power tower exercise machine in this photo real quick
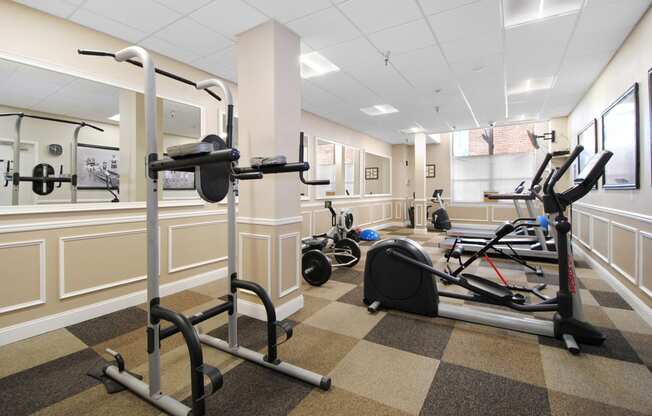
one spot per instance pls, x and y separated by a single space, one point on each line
399 275
43 177
214 163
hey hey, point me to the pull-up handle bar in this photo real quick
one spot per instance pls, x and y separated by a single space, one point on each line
158 70
301 160
57 120
563 168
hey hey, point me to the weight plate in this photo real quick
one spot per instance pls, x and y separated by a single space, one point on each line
315 267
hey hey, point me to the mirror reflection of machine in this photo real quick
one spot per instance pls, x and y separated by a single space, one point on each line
107 173
338 244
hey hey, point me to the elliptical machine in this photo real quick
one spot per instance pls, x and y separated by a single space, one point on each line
399 275
440 219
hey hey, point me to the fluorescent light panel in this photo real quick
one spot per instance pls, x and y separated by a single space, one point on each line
436 138
520 12
531 84
379 110
115 117
314 64
413 130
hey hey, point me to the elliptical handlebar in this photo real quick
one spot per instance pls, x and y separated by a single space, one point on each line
537 176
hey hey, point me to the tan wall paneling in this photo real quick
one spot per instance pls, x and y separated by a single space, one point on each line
500 214
364 216
256 249
93 262
376 213
623 250
322 218
196 244
600 237
585 229
469 213
289 246
23 268
646 262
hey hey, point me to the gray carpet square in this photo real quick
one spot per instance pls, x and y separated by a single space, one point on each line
98 330
548 277
347 275
354 297
412 335
28 391
615 346
458 390
250 389
610 299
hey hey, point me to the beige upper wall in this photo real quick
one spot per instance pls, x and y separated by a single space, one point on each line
439 155
630 64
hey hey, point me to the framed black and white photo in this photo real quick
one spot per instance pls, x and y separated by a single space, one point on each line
649 84
98 167
371 174
620 134
430 171
588 138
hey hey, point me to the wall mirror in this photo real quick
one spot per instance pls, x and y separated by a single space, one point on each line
58 126
588 138
620 134
341 165
378 176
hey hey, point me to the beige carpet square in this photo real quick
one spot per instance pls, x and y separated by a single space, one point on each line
331 290
37 350
345 319
342 403
395 378
614 382
628 320
496 351
311 304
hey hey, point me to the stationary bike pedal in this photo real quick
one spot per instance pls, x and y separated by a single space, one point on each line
519 299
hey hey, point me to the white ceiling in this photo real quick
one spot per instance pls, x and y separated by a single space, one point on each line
451 61
30 88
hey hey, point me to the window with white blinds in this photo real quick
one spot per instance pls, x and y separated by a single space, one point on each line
475 171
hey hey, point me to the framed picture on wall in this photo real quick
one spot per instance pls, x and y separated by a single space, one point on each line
587 137
649 84
98 167
178 181
430 171
371 174
620 134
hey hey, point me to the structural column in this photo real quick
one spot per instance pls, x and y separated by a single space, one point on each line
420 200
269 219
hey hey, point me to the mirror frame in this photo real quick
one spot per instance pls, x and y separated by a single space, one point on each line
360 162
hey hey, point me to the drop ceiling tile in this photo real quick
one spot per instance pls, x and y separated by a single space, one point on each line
353 54
478 67
438 6
403 38
221 63
325 28
425 68
347 88
468 47
145 15
188 34
108 26
166 48
240 17
611 13
287 10
374 15
382 79
185 6
600 40
467 21
59 8
578 73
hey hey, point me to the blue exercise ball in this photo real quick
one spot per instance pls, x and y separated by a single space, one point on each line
369 235
543 220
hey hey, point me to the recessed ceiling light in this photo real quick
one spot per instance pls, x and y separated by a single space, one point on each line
478 68
519 12
436 138
314 64
379 110
115 117
531 84
414 130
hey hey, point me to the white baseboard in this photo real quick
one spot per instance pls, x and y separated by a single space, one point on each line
637 304
257 311
48 323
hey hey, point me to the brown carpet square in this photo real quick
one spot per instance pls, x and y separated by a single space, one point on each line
103 328
610 299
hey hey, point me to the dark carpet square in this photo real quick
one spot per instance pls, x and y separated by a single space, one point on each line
347 275
354 297
548 277
252 333
583 264
412 335
28 391
610 300
501 264
98 330
458 390
250 389
615 346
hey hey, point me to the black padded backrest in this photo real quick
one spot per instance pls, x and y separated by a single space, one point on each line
212 180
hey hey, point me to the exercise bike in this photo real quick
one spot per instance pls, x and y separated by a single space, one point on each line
439 221
399 275
321 253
